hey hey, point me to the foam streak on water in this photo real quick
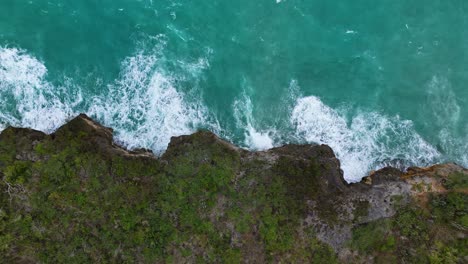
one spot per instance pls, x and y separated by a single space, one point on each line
446 114
144 106
28 100
146 109
369 141
243 113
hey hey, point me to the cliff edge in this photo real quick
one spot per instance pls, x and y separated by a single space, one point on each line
76 196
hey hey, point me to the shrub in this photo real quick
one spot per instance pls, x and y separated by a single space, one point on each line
456 180
374 236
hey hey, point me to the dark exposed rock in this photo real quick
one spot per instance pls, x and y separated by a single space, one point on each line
385 175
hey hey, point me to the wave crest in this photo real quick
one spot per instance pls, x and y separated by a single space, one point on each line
32 101
243 113
370 140
145 108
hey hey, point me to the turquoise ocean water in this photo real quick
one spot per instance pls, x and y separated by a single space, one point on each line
381 82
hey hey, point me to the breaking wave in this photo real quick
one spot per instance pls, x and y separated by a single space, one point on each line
142 105
146 106
367 142
243 113
27 99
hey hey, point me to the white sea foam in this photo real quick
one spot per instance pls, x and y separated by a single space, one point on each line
446 115
464 152
368 142
443 102
27 98
243 113
144 106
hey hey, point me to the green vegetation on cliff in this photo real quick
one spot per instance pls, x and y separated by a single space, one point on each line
75 197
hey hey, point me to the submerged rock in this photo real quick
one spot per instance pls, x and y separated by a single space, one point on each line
77 196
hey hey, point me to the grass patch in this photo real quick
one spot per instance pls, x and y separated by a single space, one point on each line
450 208
374 236
456 181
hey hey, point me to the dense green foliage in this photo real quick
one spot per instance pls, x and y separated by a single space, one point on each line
76 203
74 198
457 181
418 235
375 236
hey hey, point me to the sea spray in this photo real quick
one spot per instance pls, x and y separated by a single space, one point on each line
243 113
145 107
368 141
27 98
387 87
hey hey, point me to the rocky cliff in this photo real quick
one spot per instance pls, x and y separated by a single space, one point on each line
76 196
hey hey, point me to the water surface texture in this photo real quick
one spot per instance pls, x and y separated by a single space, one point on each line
382 83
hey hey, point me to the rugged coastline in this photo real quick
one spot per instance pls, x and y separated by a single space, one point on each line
76 196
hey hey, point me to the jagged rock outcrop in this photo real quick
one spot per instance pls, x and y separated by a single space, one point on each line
76 195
